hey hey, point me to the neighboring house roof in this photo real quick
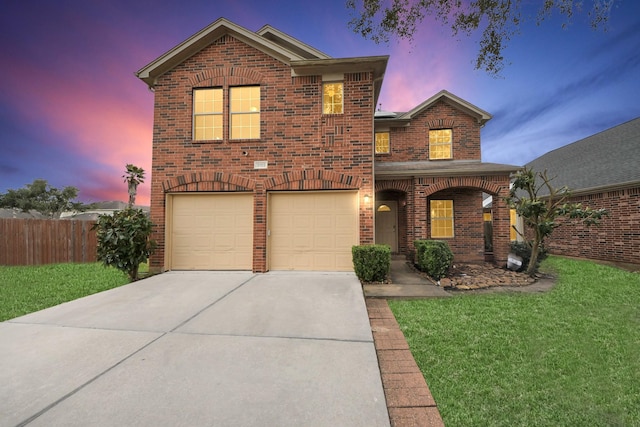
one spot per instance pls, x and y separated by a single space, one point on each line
18 213
403 119
441 168
100 208
606 160
304 59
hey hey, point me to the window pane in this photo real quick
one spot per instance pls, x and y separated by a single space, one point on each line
245 99
208 127
245 126
332 98
441 218
382 142
440 144
244 106
207 101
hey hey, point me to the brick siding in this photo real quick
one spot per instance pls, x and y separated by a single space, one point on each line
411 143
617 238
305 149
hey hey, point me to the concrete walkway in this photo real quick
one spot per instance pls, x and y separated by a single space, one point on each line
405 284
194 349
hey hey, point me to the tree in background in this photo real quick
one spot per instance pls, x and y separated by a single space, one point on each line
499 20
133 177
43 198
124 237
540 213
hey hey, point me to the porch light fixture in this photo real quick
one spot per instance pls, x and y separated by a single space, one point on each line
366 198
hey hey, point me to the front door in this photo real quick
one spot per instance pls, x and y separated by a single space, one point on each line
387 224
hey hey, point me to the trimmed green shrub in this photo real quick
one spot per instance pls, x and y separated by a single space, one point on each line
523 250
434 257
372 263
123 240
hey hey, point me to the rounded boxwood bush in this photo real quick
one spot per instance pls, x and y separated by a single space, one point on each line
371 263
434 257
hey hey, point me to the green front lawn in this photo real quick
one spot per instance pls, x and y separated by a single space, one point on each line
569 357
25 289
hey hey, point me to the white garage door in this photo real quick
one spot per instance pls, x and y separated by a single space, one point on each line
312 230
211 232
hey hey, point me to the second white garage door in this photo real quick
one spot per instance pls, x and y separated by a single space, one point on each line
312 230
211 231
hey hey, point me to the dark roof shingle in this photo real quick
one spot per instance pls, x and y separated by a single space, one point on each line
608 158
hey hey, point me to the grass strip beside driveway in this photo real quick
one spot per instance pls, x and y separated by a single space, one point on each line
25 289
568 357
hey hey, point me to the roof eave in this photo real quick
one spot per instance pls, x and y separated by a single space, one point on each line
315 67
285 40
446 172
479 114
194 44
602 188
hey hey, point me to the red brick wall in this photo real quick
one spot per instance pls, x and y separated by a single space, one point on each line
617 238
468 242
466 193
412 143
334 151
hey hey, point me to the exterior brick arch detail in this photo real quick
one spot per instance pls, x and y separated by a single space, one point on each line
463 181
208 181
226 76
312 179
441 124
399 185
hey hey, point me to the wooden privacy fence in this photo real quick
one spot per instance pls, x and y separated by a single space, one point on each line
46 241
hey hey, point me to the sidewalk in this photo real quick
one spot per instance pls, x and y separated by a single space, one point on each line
406 284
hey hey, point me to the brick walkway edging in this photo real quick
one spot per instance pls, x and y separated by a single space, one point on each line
409 400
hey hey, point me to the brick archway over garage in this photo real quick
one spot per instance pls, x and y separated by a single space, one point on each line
312 179
208 181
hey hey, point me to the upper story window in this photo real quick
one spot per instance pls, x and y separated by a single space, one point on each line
441 218
207 114
332 100
440 144
382 143
244 112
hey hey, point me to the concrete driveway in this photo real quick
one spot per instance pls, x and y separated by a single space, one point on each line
197 349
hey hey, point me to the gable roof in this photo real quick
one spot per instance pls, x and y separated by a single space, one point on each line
402 119
268 40
304 59
608 159
291 43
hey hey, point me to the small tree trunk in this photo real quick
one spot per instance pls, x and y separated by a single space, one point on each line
535 249
133 274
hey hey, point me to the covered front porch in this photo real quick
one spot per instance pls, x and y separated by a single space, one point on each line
412 204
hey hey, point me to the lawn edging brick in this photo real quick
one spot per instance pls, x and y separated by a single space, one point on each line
409 400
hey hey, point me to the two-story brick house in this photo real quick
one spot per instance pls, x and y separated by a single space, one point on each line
267 156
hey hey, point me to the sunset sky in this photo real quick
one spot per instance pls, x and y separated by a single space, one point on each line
72 111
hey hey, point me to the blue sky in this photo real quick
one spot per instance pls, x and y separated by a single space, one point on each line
72 112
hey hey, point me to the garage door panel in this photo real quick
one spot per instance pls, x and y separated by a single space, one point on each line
312 230
212 232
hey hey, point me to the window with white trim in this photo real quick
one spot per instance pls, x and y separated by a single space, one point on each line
242 108
440 144
382 143
207 114
441 218
332 99
244 112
